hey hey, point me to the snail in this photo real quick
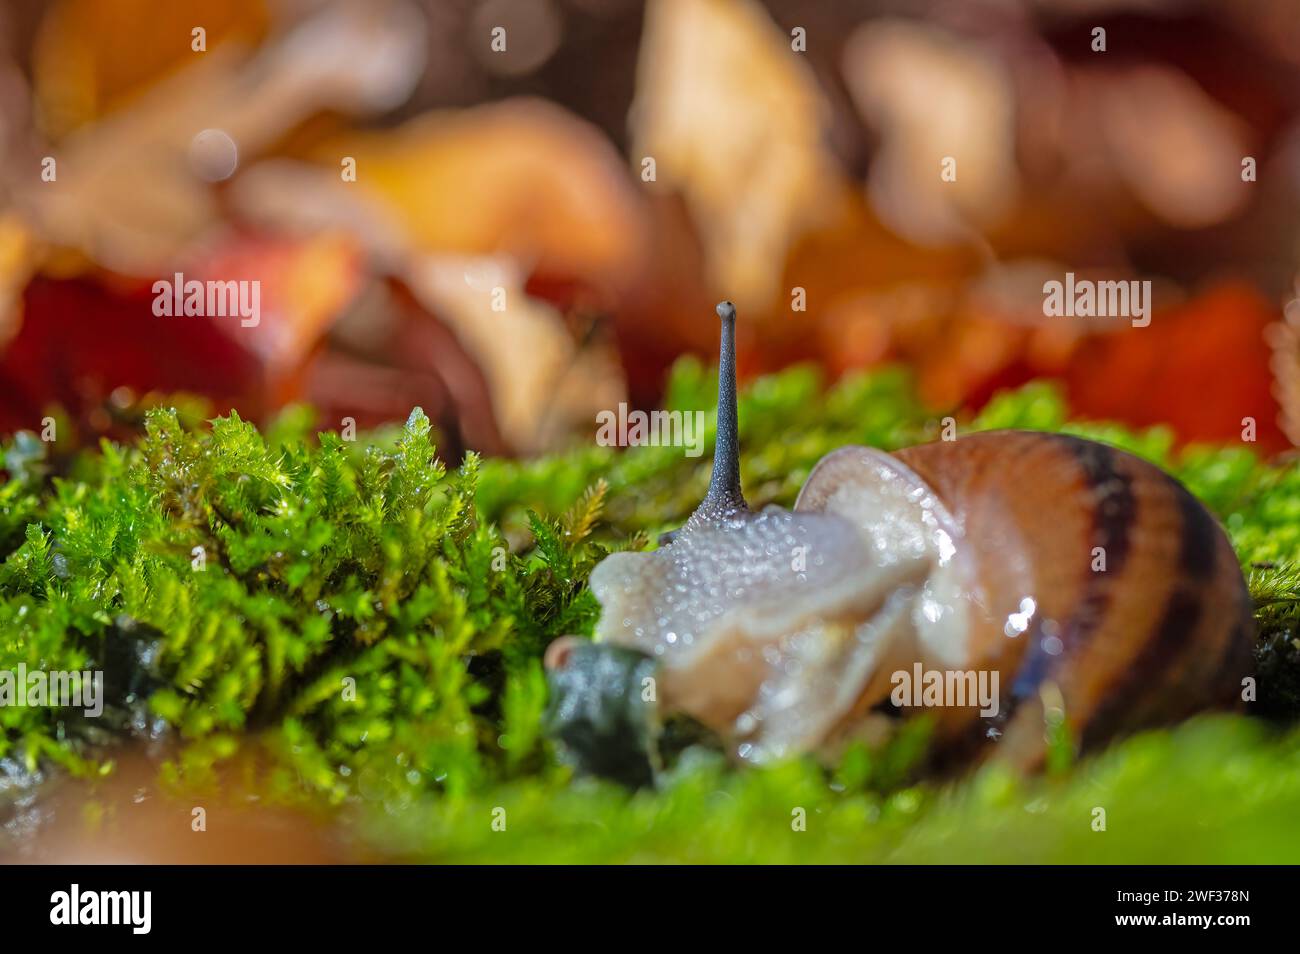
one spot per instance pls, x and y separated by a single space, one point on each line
1083 586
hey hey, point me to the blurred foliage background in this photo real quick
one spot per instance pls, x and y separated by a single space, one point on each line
612 168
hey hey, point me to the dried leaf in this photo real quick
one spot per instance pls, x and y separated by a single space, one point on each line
734 120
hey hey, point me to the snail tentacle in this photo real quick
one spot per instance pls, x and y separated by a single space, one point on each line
725 496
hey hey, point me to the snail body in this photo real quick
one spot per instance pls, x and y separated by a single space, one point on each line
1076 581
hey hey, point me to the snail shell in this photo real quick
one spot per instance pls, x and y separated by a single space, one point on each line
1079 582
1079 567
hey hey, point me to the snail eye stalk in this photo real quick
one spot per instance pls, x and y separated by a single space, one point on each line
724 495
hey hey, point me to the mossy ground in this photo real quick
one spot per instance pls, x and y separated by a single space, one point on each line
371 625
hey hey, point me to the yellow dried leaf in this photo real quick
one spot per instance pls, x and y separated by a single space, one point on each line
734 120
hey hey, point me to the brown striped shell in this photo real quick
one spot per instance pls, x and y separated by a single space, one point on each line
1087 572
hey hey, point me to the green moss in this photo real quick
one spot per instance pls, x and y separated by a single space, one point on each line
1219 789
340 602
370 624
